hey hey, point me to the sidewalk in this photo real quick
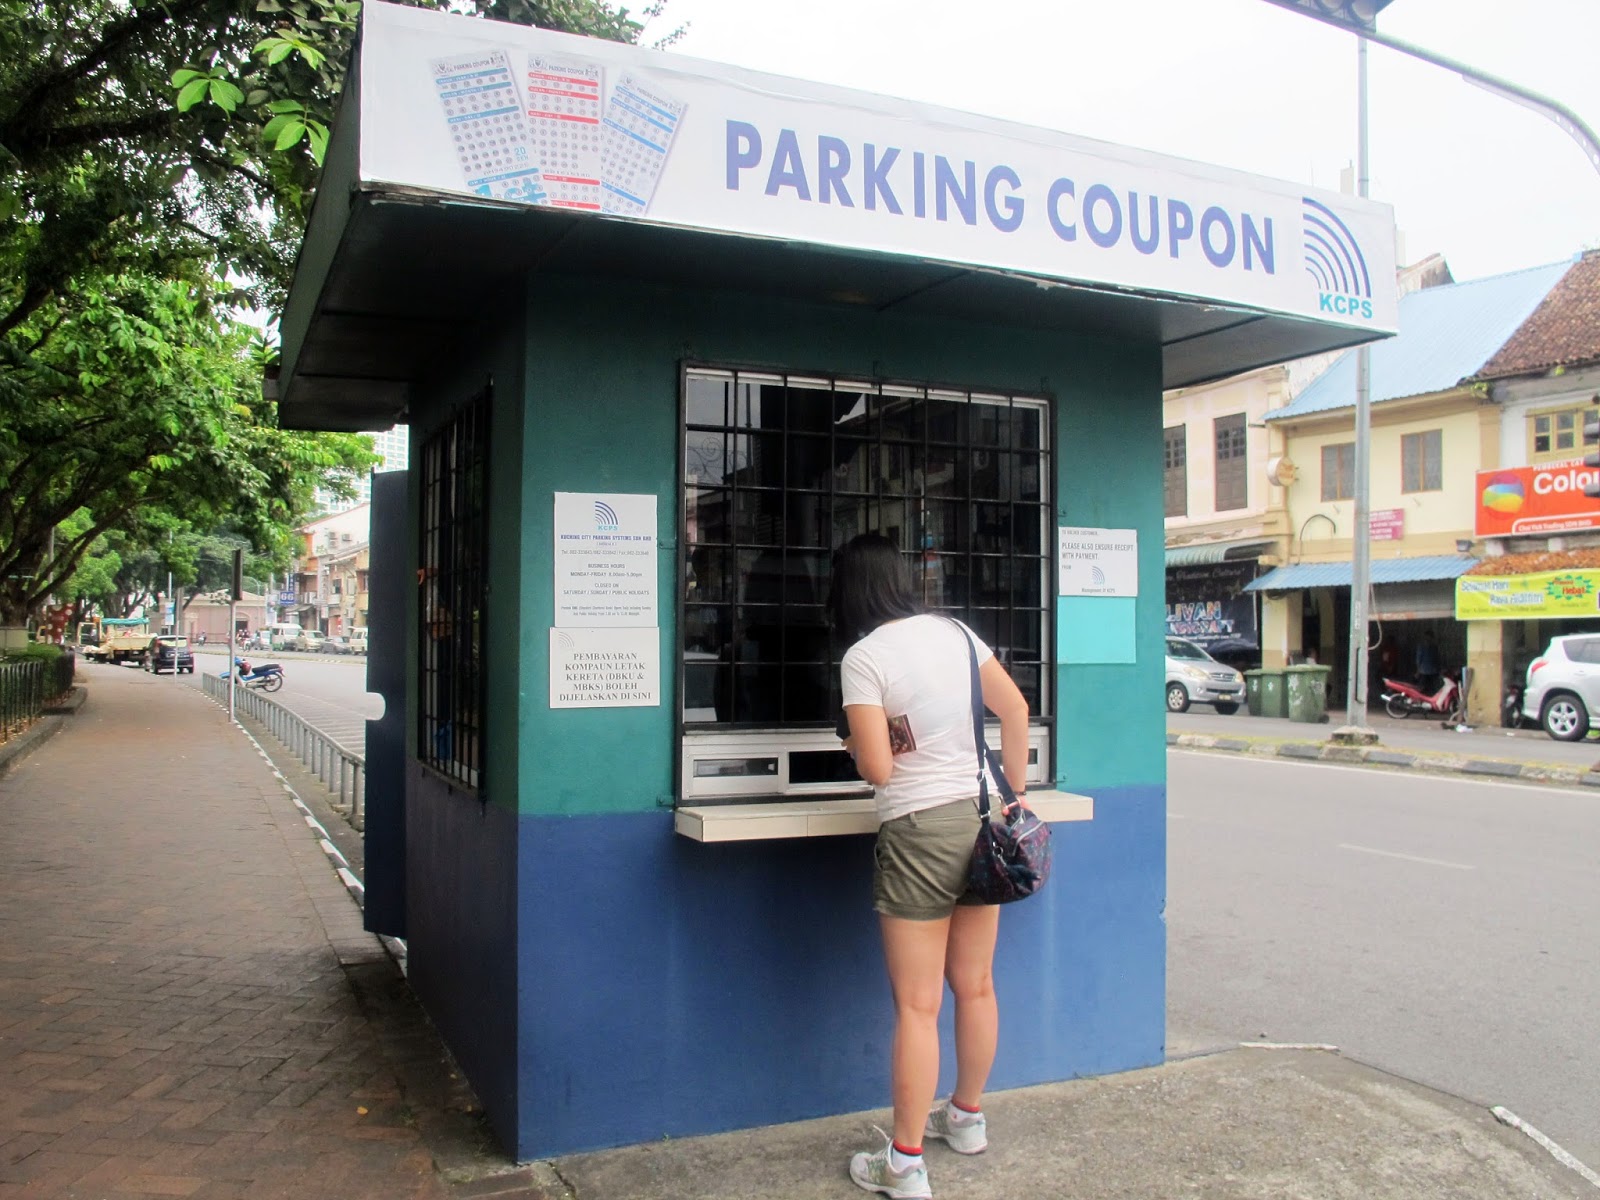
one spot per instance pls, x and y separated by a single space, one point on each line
188 1007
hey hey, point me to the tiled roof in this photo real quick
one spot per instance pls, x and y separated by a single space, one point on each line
1563 331
1383 570
1446 336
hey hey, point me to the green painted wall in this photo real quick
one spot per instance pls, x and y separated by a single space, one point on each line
602 377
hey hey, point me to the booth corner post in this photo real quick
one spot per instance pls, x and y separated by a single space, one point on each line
235 594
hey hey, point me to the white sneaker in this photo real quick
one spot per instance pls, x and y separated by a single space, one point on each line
872 1172
965 1133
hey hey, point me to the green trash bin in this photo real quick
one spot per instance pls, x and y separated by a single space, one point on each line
1270 693
1252 693
1306 688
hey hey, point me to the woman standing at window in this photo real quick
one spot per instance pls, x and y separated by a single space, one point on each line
908 701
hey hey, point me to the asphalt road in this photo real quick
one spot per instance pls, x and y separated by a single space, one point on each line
328 690
1440 928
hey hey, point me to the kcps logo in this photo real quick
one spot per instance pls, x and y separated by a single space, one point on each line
1335 262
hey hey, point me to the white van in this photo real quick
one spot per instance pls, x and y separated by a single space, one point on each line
282 635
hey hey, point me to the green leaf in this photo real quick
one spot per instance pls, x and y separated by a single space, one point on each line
274 127
224 95
317 135
278 53
193 92
286 106
183 75
291 133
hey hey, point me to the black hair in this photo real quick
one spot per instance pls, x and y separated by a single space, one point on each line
871 585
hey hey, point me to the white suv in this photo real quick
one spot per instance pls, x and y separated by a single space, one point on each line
1563 687
1194 676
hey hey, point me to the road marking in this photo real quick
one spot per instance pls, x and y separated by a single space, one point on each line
1540 789
1506 1117
1432 862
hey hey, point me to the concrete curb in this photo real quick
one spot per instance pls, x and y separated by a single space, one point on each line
49 723
1373 756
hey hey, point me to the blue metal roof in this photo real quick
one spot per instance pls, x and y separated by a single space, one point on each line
1384 570
1446 334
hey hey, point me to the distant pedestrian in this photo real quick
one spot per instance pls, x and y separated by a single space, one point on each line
1428 663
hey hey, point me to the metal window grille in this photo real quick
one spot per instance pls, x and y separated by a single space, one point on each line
1175 471
780 470
452 576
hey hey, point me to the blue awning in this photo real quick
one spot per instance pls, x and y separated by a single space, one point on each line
1384 570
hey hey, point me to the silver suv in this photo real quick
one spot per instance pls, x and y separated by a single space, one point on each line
1563 687
1193 676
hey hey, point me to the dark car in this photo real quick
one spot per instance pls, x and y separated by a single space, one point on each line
168 653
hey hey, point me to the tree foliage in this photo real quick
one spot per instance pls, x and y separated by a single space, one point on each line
157 161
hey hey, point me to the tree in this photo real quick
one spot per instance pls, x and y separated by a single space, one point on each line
137 400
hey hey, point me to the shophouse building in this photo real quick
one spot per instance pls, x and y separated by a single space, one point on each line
1435 426
1537 532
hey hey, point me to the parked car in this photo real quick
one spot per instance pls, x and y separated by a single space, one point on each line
358 642
308 639
169 652
346 644
1193 676
1563 687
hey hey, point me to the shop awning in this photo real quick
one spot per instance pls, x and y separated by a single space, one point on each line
1201 553
1384 570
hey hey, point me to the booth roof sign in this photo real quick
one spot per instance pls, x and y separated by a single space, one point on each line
519 115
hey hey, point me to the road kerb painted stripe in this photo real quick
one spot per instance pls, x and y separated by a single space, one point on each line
1506 1117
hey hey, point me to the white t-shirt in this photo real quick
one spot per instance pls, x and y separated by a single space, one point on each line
917 670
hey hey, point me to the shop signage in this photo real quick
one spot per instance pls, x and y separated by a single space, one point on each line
1547 498
527 116
1098 562
1207 604
1386 525
1572 593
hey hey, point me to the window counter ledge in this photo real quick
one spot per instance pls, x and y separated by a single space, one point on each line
830 818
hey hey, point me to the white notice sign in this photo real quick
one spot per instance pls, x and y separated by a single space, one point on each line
1099 562
605 559
605 668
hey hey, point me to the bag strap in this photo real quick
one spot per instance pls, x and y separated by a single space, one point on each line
986 756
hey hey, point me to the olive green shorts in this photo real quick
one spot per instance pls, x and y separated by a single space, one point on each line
921 862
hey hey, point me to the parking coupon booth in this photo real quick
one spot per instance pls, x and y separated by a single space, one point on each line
667 333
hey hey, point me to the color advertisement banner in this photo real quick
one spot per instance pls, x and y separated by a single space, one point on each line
1574 593
1547 498
1207 604
526 116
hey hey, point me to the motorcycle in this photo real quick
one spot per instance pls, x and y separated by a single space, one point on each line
1401 699
268 677
1511 708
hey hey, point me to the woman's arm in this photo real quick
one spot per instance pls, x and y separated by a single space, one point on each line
869 742
1001 697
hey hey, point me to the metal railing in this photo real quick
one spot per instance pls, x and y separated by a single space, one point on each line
27 685
342 772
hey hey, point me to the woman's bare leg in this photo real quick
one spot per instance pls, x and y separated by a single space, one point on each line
969 967
915 954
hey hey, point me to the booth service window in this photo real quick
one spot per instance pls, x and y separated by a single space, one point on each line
451 584
780 470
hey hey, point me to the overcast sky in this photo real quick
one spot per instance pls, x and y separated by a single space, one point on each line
1238 83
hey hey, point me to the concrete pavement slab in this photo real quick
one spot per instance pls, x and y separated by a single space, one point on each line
1251 1123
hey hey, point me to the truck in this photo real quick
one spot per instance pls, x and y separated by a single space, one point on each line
122 639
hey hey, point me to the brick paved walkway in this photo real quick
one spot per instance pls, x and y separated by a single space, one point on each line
186 995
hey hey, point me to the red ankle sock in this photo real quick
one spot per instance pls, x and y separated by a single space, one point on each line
956 1104
907 1151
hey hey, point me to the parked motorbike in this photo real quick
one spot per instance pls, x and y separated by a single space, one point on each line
1401 699
267 677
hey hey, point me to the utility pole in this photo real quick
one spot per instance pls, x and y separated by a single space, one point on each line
1360 544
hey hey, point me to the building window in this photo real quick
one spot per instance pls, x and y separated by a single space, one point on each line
1421 468
1232 488
1175 471
1339 471
452 580
779 471
1556 434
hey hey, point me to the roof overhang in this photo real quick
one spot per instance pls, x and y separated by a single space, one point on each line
406 250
